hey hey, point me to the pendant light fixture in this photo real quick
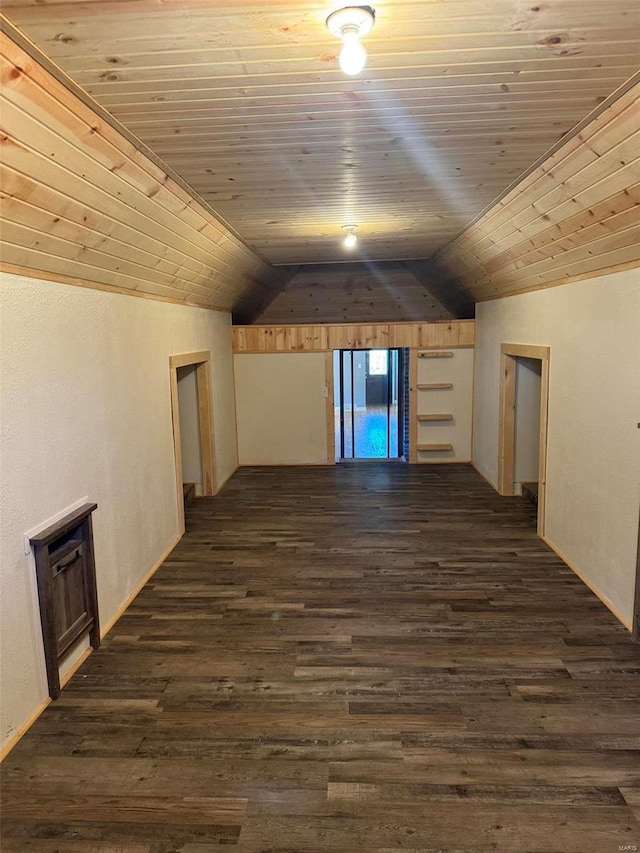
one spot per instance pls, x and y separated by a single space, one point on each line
350 24
351 239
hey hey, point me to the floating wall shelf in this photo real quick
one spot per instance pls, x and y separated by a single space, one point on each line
440 426
439 417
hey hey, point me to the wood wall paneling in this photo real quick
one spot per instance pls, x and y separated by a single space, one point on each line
280 338
359 336
314 338
81 202
433 335
576 215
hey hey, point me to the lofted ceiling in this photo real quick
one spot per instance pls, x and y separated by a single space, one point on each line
246 103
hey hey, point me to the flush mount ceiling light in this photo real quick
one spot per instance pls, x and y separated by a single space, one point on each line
350 24
351 239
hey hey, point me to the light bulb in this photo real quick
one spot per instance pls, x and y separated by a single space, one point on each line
350 241
353 56
351 24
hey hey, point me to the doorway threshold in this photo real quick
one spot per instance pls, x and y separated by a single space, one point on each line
350 461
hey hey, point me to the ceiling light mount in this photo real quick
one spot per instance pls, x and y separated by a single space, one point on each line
351 24
351 238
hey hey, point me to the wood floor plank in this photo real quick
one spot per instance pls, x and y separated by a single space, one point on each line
374 658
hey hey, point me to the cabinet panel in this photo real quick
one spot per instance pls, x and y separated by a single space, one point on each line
66 588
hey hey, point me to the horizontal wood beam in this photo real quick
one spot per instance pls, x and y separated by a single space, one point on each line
325 337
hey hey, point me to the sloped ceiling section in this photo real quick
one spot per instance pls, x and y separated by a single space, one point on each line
574 216
238 144
355 293
80 203
246 102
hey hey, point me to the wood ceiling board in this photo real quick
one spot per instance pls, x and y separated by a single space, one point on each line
615 120
353 293
576 215
431 86
90 67
66 174
246 103
583 187
304 22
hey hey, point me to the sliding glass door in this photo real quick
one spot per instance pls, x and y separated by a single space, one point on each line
368 403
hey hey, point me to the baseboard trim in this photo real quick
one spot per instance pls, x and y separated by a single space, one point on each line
286 464
628 624
124 607
443 462
24 728
588 582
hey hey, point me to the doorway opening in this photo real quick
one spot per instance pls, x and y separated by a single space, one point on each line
523 424
190 450
369 403
192 427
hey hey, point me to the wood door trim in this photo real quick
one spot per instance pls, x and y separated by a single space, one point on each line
199 360
412 451
636 605
331 417
188 358
506 425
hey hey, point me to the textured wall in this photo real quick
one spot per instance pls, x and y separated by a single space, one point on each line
282 408
593 458
86 410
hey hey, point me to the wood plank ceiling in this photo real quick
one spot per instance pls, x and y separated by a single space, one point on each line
246 102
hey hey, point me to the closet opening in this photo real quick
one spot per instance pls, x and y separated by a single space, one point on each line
524 390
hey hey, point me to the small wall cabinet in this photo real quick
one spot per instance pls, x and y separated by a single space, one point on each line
65 571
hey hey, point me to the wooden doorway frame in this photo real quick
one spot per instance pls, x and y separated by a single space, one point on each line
509 353
635 628
330 411
332 437
199 360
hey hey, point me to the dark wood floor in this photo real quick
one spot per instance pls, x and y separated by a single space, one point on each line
370 657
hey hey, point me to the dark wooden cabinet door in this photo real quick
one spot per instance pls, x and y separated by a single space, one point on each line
70 601
65 570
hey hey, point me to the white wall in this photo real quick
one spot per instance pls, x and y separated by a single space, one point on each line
281 408
526 451
593 457
188 412
457 401
86 411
